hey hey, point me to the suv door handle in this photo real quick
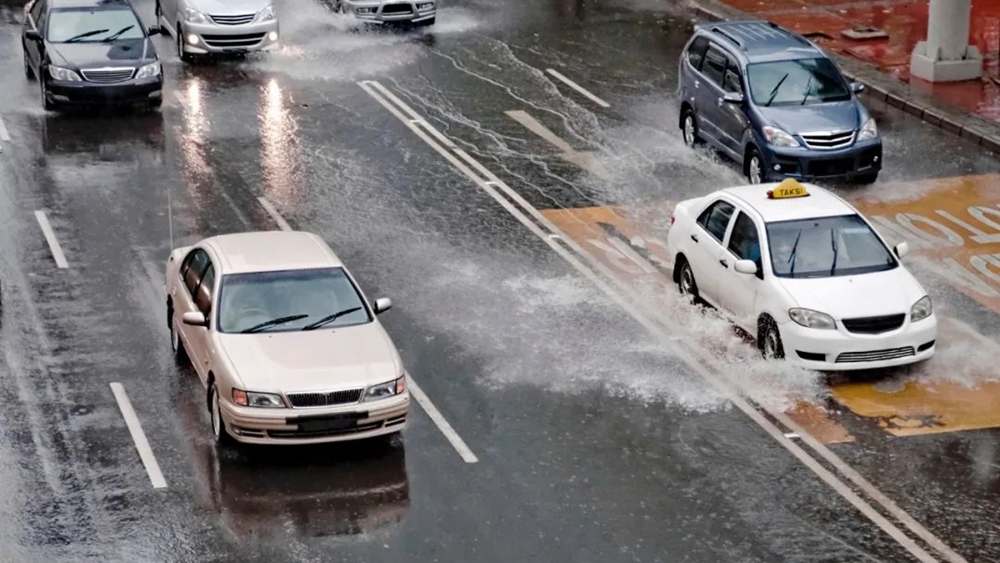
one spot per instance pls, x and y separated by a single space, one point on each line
724 263
697 84
694 238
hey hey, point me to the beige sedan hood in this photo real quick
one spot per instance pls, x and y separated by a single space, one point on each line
318 360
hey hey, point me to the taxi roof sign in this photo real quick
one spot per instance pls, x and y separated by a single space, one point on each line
788 189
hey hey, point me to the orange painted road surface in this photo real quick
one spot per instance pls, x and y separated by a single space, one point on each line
953 228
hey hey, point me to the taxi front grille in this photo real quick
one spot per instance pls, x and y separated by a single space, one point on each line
874 325
343 397
875 355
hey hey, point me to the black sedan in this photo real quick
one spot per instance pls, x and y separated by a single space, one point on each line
90 52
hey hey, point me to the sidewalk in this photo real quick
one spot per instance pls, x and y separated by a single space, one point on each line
970 109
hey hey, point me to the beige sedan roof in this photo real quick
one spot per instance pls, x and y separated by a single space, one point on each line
270 251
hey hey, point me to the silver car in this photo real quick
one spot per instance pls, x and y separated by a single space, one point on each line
421 12
204 27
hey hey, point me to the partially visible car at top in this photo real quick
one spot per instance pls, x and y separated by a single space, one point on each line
421 12
90 52
773 101
212 27
287 346
801 270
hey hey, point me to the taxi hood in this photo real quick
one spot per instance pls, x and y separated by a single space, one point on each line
316 360
864 295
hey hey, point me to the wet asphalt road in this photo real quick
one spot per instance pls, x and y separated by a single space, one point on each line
594 442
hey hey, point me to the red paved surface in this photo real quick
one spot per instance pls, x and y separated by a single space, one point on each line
906 23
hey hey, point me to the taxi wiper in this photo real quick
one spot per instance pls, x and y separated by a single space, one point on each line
116 34
274 322
775 91
85 35
833 245
330 318
808 90
791 257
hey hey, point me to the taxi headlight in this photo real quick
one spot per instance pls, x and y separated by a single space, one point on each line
869 130
779 138
921 309
254 399
385 390
812 319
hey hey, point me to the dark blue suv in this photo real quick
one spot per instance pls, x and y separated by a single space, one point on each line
771 99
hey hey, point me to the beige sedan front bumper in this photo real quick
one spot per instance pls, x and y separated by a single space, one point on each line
313 426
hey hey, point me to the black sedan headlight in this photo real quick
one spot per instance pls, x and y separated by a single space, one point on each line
386 390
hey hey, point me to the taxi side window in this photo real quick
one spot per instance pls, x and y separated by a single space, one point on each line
714 67
744 241
697 52
205 290
193 268
715 219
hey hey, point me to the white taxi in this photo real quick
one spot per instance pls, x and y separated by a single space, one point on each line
801 270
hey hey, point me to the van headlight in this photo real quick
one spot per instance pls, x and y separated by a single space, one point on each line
921 309
65 74
812 319
869 130
265 15
386 390
779 138
194 16
149 71
254 399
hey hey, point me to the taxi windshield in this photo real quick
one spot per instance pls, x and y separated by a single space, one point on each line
289 301
825 247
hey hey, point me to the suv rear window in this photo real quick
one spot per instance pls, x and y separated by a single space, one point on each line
697 52
803 81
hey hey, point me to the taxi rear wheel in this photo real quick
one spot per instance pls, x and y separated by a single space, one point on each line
769 339
686 281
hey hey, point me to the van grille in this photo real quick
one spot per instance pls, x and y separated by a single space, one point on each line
246 40
107 75
397 9
875 355
342 397
233 20
828 141
874 325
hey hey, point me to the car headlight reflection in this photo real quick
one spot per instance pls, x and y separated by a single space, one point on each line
869 130
386 390
254 399
779 138
921 309
149 71
194 16
425 6
65 74
265 15
812 319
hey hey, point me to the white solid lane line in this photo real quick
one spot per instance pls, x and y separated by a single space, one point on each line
139 437
442 424
4 135
50 236
282 224
579 88
490 184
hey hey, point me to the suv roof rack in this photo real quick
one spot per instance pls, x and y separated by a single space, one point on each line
729 36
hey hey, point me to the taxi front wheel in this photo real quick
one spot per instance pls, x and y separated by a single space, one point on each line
770 340
686 281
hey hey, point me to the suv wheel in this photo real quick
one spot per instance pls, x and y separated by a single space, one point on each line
689 127
755 166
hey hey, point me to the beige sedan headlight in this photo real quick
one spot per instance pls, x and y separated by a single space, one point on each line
254 399
386 390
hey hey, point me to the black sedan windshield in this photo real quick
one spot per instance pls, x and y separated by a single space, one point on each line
289 301
826 247
93 26
803 81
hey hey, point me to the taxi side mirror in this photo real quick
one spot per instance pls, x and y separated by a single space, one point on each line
748 267
382 304
901 249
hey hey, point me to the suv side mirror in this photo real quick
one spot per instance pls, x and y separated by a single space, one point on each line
857 87
382 304
194 318
732 98
901 249
154 30
33 35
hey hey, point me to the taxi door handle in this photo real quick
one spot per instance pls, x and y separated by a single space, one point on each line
694 238
724 263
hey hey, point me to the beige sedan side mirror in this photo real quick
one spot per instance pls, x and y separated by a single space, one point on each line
194 318
382 304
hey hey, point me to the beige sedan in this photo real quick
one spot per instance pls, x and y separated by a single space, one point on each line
286 344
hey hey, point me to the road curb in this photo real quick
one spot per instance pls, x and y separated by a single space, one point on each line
884 88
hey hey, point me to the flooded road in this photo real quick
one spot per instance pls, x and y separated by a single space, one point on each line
506 177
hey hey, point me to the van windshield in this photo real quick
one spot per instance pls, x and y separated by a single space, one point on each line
802 81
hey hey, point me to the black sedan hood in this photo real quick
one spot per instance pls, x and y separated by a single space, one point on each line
124 52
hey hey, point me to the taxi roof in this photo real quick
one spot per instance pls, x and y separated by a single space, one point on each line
819 203
269 251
